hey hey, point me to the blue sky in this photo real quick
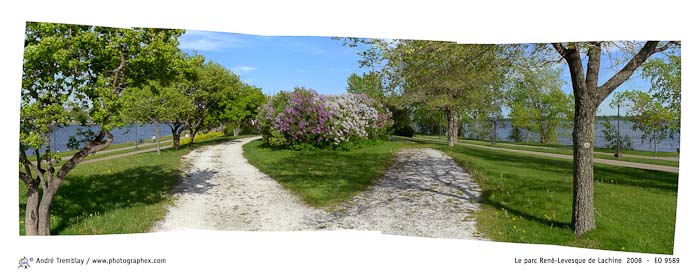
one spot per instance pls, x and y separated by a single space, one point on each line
277 63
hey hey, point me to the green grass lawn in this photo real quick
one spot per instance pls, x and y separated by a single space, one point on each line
120 195
527 199
146 144
569 147
323 178
566 150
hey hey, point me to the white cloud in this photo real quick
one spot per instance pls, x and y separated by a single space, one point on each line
209 41
243 68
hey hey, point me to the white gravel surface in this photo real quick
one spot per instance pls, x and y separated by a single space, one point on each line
222 191
424 194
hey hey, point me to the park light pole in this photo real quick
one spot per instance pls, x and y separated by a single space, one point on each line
617 151
136 129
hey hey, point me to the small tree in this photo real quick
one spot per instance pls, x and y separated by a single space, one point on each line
649 116
610 135
665 77
240 107
212 90
369 84
159 105
69 67
538 104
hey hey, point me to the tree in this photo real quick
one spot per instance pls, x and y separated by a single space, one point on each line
69 67
588 94
213 85
649 116
158 104
369 84
665 77
611 137
428 121
240 107
538 104
446 76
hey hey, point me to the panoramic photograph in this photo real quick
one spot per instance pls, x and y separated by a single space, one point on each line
148 130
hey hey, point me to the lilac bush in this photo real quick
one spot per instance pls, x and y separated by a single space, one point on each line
303 117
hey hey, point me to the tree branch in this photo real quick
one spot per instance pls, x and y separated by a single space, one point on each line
560 49
573 59
117 72
666 46
593 65
28 168
621 76
95 145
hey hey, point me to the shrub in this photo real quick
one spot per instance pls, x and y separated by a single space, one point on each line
406 131
303 118
610 136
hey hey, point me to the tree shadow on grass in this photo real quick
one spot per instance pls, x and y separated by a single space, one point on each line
620 175
99 193
637 177
486 200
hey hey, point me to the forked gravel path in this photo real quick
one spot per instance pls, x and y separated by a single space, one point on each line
425 193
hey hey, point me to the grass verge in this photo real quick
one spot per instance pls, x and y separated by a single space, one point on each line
323 178
566 150
121 195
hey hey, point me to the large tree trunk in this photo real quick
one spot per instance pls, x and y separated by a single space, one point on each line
588 95
516 133
493 132
176 139
31 214
193 132
44 227
460 130
583 215
176 129
157 137
38 212
451 128
654 141
543 134
236 128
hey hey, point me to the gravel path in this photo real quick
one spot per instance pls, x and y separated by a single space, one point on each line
425 194
222 191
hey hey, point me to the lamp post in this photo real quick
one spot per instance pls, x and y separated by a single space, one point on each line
617 151
136 129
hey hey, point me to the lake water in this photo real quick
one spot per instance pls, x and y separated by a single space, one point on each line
59 139
504 130
146 131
